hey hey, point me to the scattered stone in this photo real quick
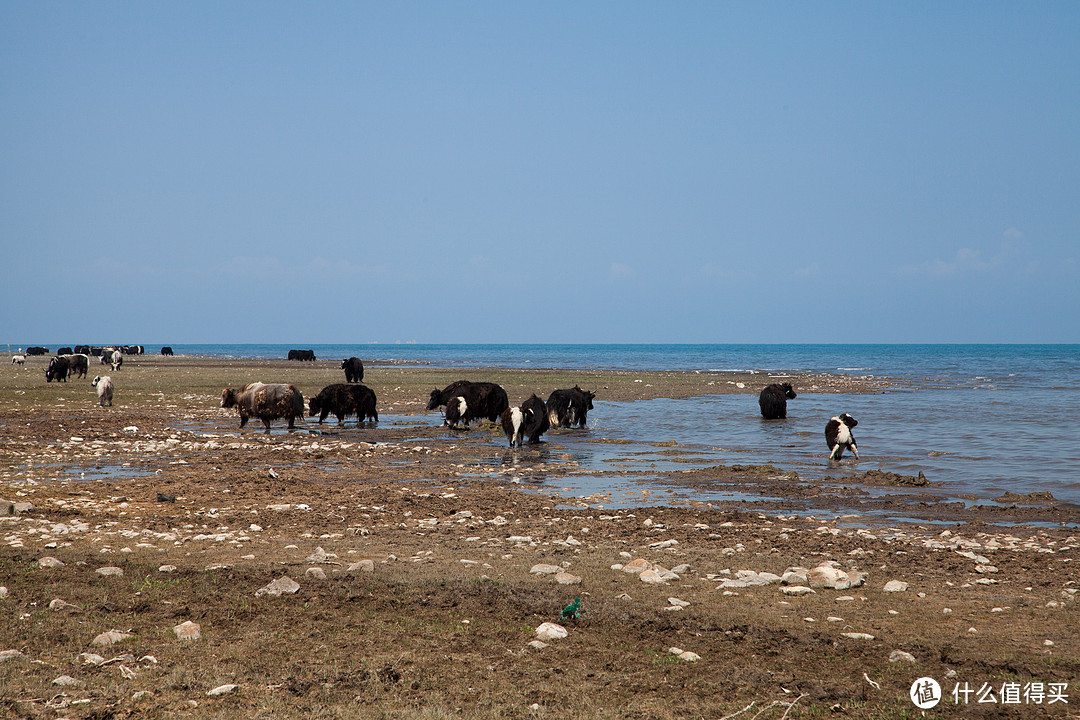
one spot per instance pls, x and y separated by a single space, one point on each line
677 602
10 654
550 631
797 590
537 644
636 567
188 631
66 681
284 585
167 569
58 605
50 562
565 578
362 566
315 573
319 556
142 695
3 592
858 636
91 658
895 586
222 690
519 539
652 577
544 569
110 571
827 575
111 637
900 655
684 655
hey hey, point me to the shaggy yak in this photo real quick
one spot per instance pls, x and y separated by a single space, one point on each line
266 402
354 369
566 408
104 386
484 399
838 436
531 419
343 399
773 400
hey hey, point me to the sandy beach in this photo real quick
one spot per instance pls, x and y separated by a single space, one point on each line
418 589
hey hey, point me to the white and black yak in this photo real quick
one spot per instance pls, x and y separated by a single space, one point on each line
530 420
457 411
354 369
483 399
773 400
341 400
112 357
18 359
58 369
266 402
566 408
839 438
104 386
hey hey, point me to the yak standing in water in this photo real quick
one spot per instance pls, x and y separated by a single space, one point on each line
773 400
266 402
566 408
483 399
343 399
838 436
531 419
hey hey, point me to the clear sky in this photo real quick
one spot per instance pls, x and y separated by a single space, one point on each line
287 172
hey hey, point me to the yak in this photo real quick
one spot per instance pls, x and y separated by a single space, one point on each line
266 402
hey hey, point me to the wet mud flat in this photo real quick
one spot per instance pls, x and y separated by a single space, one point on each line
414 550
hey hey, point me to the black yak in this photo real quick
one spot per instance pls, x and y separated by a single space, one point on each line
266 402
773 400
484 399
566 408
354 369
531 420
341 399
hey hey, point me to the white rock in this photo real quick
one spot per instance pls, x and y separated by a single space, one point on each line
66 681
284 585
565 578
652 577
110 637
58 605
550 631
50 562
858 636
10 654
366 565
222 690
537 644
188 631
141 695
797 590
688 656
90 658
544 569
167 568
678 602
519 539
895 586
315 573
636 567
110 571
900 655
3 592
319 556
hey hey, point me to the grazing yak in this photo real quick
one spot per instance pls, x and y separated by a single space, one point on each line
531 419
37 350
308 355
773 400
104 386
82 349
566 408
167 350
457 411
354 369
77 364
838 436
266 402
343 399
65 351
58 369
484 399
112 357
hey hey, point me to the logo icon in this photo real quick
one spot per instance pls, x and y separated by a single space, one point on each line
925 693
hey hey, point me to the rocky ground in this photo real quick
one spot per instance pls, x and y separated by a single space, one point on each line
156 563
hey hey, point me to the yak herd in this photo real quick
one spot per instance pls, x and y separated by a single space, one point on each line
464 401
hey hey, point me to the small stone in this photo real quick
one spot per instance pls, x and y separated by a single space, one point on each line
565 578
58 605
636 567
50 562
167 569
315 573
901 656
222 690
111 637
3 592
141 695
652 577
537 644
188 631
550 631
91 658
319 556
895 586
284 585
110 571
858 636
66 681
544 569
10 654
688 656
797 590
366 565
677 602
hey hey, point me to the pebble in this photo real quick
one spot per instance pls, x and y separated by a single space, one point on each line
537 644
319 556
222 690
141 695
188 631
858 636
167 569
66 681
58 605
284 585
110 571
684 655
550 631
316 573
111 637
50 562
900 655
895 586
797 590
636 567
544 569
10 654
565 578
362 566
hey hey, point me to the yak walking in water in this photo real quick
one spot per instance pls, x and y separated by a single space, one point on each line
773 400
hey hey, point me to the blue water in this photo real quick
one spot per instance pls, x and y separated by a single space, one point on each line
978 420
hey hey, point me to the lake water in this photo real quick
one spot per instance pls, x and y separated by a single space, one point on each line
979 420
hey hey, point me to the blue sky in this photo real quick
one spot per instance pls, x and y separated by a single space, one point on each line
539 172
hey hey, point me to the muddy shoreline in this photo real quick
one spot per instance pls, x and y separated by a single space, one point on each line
417 596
